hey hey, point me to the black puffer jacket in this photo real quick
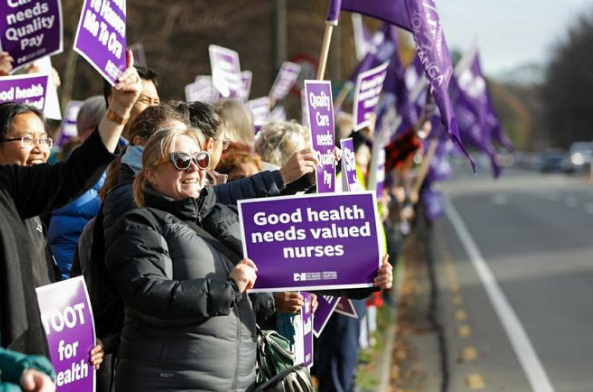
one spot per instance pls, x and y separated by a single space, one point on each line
187 327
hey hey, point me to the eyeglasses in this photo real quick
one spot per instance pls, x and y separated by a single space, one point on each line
29 142
182 161
226 142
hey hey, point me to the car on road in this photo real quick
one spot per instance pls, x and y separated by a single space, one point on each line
555 161
580 156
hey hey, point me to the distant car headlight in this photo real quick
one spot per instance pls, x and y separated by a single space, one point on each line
577 159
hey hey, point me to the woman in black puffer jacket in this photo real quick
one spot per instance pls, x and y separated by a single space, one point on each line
189 326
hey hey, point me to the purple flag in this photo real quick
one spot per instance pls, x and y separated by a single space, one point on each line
390 11
68 322
320 107
367 92
421 18
68 128
30 89
226 71
433 203
286 78
311 242
470 127
101 37
383 45
30 30
325 309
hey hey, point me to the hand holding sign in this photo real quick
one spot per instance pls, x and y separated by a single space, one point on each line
244 274
288 302
301 163
97 354
384 279
5 63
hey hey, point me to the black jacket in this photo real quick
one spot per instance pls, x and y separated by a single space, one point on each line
186 324
26 192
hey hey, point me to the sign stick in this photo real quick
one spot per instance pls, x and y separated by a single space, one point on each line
327 37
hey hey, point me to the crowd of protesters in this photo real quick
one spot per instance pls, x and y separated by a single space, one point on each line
143 205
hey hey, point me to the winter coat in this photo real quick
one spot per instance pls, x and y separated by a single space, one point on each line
187 326
26 192
67 224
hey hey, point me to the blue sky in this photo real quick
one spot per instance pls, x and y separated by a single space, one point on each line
509 33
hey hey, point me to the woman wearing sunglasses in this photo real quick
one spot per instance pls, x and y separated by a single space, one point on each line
188 323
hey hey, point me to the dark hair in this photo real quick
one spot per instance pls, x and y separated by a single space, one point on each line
151 119
145 73
9 111
206 118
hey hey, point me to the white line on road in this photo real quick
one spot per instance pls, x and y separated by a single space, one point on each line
524 350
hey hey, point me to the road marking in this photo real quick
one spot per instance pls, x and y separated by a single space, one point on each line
468 354
464 331
475 381
524 350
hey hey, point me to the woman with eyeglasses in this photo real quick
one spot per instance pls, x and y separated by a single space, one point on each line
28 190
188 323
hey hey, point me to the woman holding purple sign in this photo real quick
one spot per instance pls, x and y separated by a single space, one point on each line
26 192
188 323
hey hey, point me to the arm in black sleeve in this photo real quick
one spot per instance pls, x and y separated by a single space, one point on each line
139 265
303 184
267 183
42 188
361 293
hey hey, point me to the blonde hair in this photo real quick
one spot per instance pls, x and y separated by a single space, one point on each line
238 121
159 146
279 140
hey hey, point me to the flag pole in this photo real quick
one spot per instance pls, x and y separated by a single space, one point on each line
425 166
327 37
348 86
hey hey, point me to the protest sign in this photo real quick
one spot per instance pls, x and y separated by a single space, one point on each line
320 107
30 30
350 181
260 108
68 128
69 326
303 346
51 109
246 78
101 37
325 241
226 71
286 78
345 308
369 85
30 89
278 114
325 308
201 90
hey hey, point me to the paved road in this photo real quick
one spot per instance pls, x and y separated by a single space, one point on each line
516 294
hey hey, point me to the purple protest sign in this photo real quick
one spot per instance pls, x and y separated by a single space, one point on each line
369 85
69 326
201 90
101 37
325 308
246 78
30 30
351 183
30 89
260 108
345 308
306 349
68 128
324 241
320 107
286 78
226 72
